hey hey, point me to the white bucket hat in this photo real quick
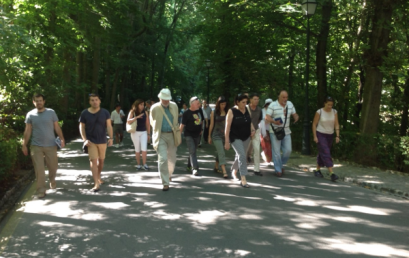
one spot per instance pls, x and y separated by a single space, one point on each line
165 94
268 101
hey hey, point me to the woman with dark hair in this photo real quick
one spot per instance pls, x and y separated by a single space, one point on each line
325 120
216 133
239 129
141 135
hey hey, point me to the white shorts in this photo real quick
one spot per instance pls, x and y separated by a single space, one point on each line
140 140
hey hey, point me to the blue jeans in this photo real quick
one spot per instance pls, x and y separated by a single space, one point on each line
277 146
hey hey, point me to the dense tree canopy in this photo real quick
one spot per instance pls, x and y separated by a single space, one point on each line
128 49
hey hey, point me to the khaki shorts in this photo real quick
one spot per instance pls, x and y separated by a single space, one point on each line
97 151
118 128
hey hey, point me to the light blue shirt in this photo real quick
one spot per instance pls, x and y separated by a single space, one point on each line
165 125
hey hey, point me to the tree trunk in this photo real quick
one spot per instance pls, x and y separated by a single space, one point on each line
114 86
405 111
79 79
291 58
95 65
321 60
374 58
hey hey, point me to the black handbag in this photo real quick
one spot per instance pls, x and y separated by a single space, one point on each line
280 132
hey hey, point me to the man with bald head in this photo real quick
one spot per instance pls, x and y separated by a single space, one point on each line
276 115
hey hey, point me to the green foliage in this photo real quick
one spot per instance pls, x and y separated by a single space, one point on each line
404 147
10 153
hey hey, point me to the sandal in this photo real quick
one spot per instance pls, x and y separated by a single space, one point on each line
217 170
225 176
245 186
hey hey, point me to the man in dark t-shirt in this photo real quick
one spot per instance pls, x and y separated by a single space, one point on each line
192 122
94 123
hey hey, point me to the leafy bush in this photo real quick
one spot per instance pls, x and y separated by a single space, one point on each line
10 153
404 146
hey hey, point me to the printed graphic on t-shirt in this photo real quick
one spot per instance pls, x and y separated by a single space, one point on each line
197 119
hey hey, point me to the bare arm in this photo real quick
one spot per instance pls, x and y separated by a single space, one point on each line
296 117
110 133
131 118
314 126
336 128
269 119
26 138
83 134
181 126
58 131
211 127
229 119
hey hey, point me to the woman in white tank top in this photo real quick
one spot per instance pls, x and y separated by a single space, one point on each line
325 121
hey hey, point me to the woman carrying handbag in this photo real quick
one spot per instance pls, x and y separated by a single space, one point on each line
139 127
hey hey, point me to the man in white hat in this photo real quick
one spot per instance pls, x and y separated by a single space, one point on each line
162 135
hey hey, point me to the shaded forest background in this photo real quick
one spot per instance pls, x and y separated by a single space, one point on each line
129 49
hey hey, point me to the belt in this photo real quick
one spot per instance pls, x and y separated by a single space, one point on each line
167 132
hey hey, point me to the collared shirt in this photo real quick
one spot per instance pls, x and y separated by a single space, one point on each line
276 111
117 117
165 124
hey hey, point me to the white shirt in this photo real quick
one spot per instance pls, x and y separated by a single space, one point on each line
117 117
276 111
326 123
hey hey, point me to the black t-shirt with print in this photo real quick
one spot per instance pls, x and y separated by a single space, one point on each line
193 122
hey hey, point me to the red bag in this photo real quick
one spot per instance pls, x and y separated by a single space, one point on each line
266 146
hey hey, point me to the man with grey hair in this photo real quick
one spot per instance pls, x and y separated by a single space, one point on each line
41 123
161 114
192 121
278 115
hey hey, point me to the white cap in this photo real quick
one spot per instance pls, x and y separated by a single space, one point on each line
165 94
268 101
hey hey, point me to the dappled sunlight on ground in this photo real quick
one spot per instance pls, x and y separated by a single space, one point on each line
206 216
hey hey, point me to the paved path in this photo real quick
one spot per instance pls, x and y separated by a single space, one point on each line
294 216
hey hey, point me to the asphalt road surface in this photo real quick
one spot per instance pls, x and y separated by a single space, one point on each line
294 216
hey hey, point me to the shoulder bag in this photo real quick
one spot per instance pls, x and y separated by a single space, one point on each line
280 132
177 136
131 128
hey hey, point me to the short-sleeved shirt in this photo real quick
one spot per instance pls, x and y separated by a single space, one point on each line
141 123
276 111
95 125
42 127
256 116
193 122
326 123
117 117
207 111
240 126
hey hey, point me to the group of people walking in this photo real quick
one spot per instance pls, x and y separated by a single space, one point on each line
242 127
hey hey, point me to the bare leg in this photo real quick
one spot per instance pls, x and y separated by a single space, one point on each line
100 167
243 180
330 170
138 157
216 165
144 153
94 169
117 138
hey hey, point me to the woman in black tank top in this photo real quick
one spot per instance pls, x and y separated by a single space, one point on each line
238 131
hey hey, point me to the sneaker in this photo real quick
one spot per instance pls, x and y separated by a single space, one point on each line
116 145
189 169
138 167
195 172
121 144
145 167
334 177
318 173
257 173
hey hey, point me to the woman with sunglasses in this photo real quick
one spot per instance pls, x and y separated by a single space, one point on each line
239 129
216 134
325 120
